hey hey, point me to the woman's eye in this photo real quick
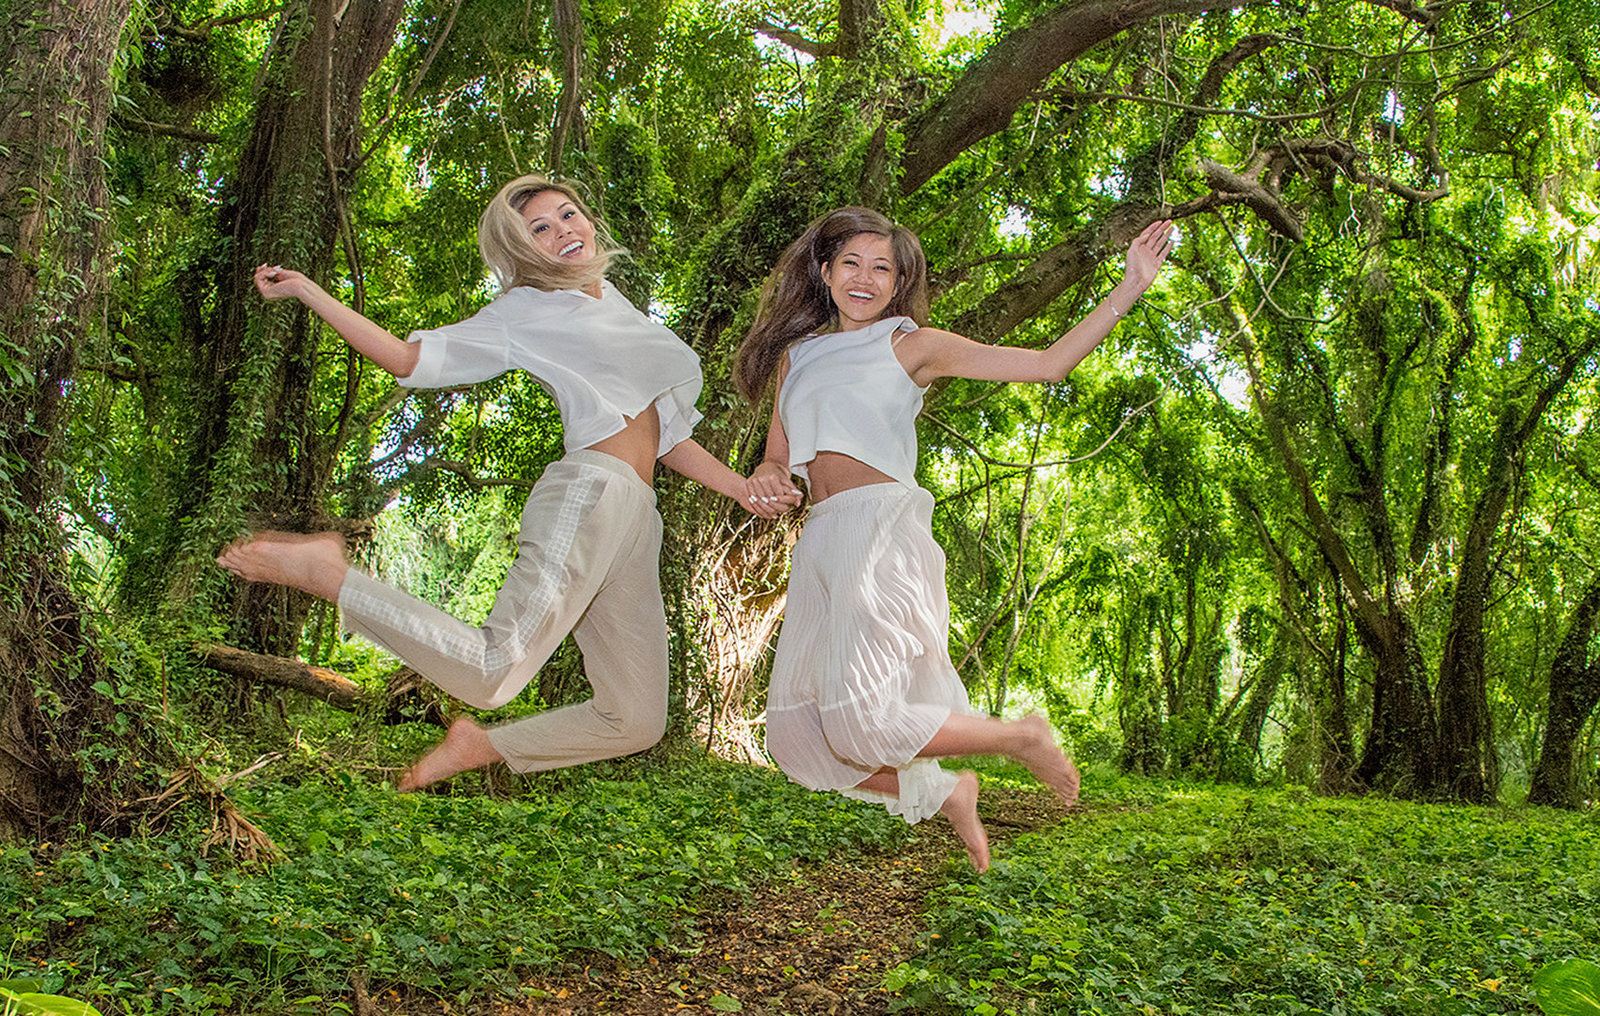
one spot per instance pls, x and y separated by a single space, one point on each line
540 228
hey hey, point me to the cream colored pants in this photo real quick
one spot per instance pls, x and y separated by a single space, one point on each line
588 562
862 679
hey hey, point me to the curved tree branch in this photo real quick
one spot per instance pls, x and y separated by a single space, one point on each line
794 40
993 87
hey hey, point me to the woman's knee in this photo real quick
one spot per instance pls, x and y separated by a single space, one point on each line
641 728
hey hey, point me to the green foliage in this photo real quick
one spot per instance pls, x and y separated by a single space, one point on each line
22 998
1568 988
1175 898
440 892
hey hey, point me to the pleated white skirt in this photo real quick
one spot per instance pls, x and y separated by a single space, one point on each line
863 679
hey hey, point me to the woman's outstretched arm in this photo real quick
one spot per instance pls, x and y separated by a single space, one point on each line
929 353
377 344
690 459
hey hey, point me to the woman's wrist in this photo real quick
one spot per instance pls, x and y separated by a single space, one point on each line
1121 299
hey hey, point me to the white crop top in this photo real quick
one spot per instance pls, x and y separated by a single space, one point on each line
601 360
846 392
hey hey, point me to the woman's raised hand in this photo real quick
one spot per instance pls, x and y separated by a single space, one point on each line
279 283
769 492
1148 252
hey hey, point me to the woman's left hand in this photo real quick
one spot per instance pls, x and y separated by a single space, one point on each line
1147 253
769 492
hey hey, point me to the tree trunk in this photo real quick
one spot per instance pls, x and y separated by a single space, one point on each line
1337 753
1466 738
1262 695
256 446
1401 755
55 97
1574 691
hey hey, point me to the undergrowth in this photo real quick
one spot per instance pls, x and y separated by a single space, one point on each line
1166 898
453 894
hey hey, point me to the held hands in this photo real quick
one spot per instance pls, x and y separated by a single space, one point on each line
769 492
278 283
1146 254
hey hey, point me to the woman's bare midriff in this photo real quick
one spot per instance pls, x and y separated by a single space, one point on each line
636 444
835 472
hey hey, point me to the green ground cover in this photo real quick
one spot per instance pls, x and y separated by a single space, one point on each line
1161 898
1175 899
454 894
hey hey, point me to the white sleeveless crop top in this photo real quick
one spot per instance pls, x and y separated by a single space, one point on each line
602 360
846 392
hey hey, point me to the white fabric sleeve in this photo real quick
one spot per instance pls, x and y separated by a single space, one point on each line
676 411
466 352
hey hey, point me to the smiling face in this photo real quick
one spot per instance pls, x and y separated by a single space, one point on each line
862 279
558 226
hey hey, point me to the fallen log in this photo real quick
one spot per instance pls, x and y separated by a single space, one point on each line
330 686
401 686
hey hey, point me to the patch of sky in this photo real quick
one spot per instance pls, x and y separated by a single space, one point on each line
1016 223
962 18
1109 185
774 49
1392 110
1231 384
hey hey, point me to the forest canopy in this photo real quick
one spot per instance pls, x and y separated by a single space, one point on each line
1322 510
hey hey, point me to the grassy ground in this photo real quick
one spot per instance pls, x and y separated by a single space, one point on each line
1171 898
459 894
1154 899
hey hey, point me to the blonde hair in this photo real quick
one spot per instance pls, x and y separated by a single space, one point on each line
516 260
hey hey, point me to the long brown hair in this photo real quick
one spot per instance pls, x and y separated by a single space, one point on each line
795 301
514 258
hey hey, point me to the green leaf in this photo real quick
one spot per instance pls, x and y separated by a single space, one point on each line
725 1003
31 1004
1568 988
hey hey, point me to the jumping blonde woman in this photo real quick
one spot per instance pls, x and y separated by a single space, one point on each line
590 540
863 697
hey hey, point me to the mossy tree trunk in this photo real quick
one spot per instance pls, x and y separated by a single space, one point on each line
262 440
55 98
1574 692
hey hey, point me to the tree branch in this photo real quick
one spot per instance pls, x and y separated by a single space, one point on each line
568 18
1144 168
794 40
166 24
382 128
132 123
330 686
993 87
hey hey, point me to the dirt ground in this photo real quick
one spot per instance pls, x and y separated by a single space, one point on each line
819 941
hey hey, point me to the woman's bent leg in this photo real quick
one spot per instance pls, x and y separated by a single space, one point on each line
960 806
1028 740
571 527
623 638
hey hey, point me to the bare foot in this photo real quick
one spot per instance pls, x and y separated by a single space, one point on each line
313 562
1046 761
961 808
465 746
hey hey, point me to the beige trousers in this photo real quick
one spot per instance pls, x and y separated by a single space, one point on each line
588 562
